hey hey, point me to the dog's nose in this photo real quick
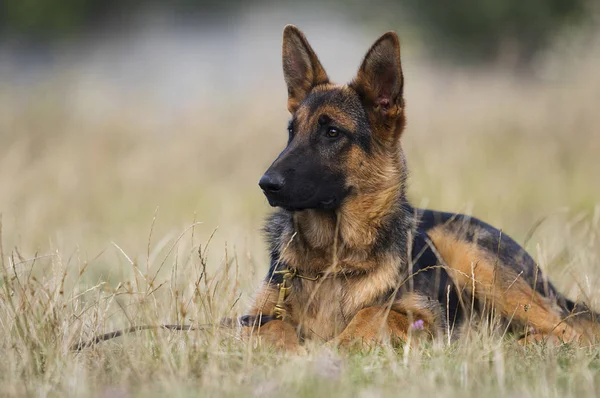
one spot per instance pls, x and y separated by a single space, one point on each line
271 182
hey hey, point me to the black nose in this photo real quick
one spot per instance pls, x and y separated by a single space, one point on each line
271 182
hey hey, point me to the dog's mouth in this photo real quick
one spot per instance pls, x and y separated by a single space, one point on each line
328 195
327 204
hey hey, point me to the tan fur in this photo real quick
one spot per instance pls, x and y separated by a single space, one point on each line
416 306
280 335
265 300
376 182
324 307
477 272
374 326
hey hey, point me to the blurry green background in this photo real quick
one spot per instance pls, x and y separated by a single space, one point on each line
112 111
480 30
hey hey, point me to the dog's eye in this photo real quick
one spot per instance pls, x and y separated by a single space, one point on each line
332 132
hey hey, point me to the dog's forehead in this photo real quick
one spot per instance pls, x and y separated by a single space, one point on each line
341 103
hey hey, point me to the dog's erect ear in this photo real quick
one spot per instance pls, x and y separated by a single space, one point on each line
301 67
379 80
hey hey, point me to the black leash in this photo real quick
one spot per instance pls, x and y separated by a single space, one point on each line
243 321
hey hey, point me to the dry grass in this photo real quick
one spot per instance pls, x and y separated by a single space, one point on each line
107 216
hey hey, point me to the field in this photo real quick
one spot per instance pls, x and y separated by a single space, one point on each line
127 215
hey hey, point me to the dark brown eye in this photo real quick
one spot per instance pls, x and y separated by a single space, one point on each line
290 130
332 132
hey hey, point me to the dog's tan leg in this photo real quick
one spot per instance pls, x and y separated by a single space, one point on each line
479 273
265 300
278 334
376 325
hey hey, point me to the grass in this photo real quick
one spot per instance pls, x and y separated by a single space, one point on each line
121 219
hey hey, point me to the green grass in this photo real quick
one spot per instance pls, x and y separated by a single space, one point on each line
98 233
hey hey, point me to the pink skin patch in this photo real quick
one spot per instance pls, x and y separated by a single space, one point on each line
417 325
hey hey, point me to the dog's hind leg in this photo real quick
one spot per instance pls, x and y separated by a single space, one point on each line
498 286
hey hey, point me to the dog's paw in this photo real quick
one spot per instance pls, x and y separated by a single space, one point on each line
279 335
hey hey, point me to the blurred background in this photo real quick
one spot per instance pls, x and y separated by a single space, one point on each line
116 113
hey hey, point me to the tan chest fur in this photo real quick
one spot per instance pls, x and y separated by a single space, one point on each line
352 275
323 308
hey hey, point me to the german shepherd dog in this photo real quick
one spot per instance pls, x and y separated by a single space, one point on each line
351 260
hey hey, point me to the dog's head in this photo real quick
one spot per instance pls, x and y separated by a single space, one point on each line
343 140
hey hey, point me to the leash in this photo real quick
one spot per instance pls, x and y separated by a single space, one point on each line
279 312
245 321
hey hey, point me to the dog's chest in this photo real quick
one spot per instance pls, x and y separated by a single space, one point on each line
322 308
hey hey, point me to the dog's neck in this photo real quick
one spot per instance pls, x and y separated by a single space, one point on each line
354 226
351 233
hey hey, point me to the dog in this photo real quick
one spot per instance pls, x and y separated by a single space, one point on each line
352 261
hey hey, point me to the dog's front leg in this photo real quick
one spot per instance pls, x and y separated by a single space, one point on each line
276 333
279 335
376 325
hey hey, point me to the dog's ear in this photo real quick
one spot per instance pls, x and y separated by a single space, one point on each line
380 82
301 67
